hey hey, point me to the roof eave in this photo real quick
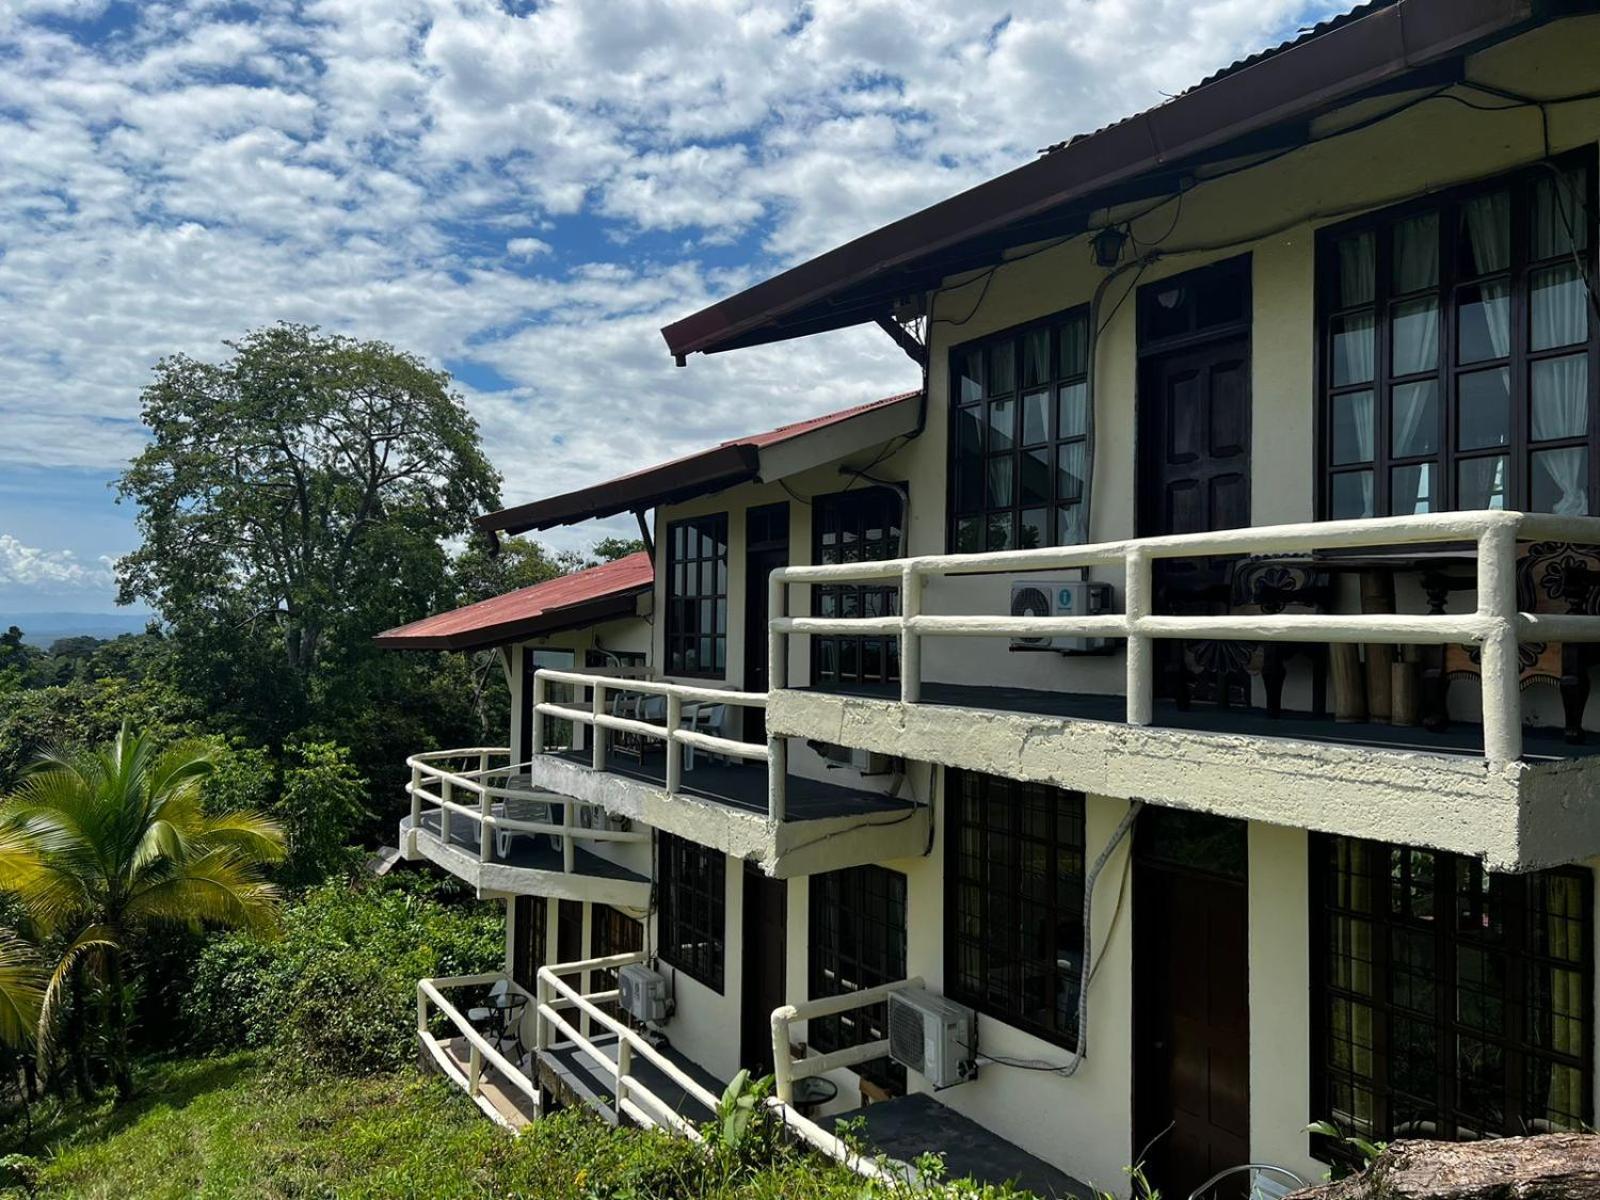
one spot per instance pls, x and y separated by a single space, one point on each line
572 616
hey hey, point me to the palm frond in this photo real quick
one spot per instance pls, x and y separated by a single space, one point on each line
91 938
252 836
177 775
22 983
162 841
218 888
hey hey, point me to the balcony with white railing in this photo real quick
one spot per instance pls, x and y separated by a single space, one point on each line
474 813
1489 778
659 752
487 1063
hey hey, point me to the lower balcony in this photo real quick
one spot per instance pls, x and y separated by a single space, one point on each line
512 838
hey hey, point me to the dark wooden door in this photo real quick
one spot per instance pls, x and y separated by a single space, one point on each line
766 549
528 942
1191 1017
766 924
1194 439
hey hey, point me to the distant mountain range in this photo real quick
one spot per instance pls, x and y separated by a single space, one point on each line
42 628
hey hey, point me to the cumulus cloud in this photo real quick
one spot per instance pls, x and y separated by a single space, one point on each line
174 174
30 567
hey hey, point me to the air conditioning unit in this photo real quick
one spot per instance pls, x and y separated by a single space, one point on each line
642 993
593 816
935 1037
1060 598
868 762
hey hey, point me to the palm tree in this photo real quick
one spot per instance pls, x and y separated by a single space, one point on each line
120 842
22 977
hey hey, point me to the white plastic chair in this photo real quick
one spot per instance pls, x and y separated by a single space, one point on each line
531 807
1267 1182
702 718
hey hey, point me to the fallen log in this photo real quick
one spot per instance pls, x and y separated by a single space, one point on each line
1551 1166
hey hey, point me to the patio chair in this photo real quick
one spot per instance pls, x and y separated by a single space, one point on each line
702 718
1264 1182
534 807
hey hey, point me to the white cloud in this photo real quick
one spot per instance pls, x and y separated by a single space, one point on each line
527 247
30 567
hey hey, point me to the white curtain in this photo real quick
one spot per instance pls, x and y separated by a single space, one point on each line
1416 253
1560 316
1489 230
1561 409
1357 270
1558 208
1352 350
1416 337
1413 402
1361 415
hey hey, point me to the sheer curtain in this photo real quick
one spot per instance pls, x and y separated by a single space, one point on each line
1561 409
1413 404
1488 220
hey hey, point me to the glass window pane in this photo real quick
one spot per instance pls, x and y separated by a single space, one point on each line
1069 525
1560 213
1002 367
1002 424
1355 265
1074 337
1000 532
969 535
1481 483
1483 321
1411 490
1560 389
1036 358
1036 476
1414 418
1352 349
1414 330
1035 418
1001 471
1560 308
1416 253
1560 480
1352 495
1072 401
969 432
1070 461
1035 530
1352 428
1484 240
1483 409
969 377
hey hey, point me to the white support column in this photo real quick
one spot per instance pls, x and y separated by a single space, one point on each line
782 1062
474 1071
910 643
777 643
777 778
1497 604
674 747
536 734
485 822
541 1026
416 796
447 794
1140 685
569 848
624 1069
596 733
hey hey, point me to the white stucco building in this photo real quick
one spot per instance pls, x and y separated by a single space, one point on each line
1192 678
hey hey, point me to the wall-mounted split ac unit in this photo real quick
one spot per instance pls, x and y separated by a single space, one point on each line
593 816
642 993
1060 598
935 1037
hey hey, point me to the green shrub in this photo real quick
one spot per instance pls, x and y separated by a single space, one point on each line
337 990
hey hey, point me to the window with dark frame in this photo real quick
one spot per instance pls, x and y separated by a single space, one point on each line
1014 913
1458 350
693 895
857 938
528 945
1018 438
860 525
697 596
1453 1003
612 932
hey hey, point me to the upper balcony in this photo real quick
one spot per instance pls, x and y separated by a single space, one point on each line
657 752
1401 758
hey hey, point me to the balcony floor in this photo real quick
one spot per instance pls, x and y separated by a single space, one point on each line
744 786
576 1078
1541 744
529 853
908 1126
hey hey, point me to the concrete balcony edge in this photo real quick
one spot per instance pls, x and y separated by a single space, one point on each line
495 879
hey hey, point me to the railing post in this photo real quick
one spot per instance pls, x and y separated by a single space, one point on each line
624 1069
422 1014
910 641
777 643
1140 685
777 777
1497 604
536 729
474 1071
416 795
674 747
596 733
569 851
541 1025
485 821
782 1063
446 795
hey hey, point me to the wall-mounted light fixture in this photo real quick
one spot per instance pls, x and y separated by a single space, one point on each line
1108 245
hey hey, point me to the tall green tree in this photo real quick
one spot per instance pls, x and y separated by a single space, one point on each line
118 844
22 975
294 500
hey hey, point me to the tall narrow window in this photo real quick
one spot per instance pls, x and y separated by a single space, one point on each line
693 891
861 525
697 596
1459 351
1014 908
1019 404
1452 1002
612 932
858 941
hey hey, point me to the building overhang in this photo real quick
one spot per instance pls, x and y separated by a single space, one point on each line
488 879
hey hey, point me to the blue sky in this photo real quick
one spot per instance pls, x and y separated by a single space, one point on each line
520 191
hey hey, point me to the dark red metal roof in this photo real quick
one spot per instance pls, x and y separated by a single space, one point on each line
1261 101
737 460
596 594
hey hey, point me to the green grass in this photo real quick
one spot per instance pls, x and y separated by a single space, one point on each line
230 1127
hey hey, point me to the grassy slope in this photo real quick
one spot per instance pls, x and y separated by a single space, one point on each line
224 1127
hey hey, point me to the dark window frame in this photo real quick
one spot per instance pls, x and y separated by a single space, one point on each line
843 659
985 950
1452 282
1419 904
854 942
688 614
692 885
970 513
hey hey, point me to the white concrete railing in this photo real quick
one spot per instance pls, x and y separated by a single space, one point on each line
680 698
485 784
1496 626
431 992
631 1097
787 1068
